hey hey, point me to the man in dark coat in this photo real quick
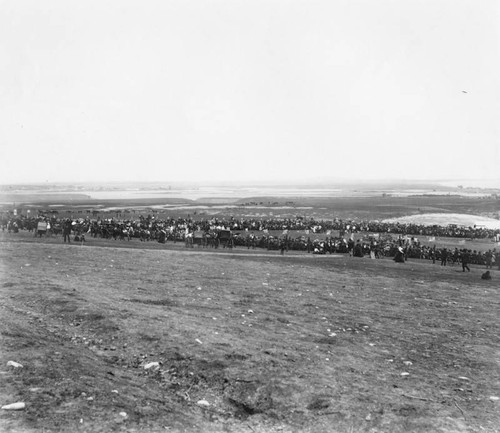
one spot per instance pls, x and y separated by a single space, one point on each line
465 260
444 256
67 230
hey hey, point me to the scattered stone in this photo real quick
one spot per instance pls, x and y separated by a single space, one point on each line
369 417
494 398
90 398
14 406
151 365
203 403
463 378
14 364
408 363
404 373
114 391
35 389
250 311
123 414
198 341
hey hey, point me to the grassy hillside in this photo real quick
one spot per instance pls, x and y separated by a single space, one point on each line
245 341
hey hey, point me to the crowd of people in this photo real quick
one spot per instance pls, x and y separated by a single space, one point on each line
376 239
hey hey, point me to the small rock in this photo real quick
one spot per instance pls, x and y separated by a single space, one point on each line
404 373
250 311
463 378
408 363
203 403
151 365
369 417
14 364
90 398
35 389
14 406
198 341
494 398
123 414
114 391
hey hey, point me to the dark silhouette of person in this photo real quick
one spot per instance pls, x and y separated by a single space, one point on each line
465 260
67 230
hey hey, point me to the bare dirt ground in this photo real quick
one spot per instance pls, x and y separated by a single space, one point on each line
299 343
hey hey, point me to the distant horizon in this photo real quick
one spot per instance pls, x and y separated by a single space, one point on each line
486 183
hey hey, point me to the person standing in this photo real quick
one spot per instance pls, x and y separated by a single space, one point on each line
67 230
489 259
444 256
465 260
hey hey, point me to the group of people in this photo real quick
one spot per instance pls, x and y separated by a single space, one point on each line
318 237
17 222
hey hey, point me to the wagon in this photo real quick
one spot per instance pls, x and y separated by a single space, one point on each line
225 238
199 238
41 228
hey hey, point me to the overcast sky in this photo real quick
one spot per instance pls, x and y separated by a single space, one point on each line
239 90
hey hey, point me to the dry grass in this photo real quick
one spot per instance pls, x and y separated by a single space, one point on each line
294 343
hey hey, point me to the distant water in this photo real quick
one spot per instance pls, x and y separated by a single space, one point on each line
444 219
236 193
214 192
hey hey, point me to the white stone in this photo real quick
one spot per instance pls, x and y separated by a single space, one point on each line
14 406
151 365
14 364
203 403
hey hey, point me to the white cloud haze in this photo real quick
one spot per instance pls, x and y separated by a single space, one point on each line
240 90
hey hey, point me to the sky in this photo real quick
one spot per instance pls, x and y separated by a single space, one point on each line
230 90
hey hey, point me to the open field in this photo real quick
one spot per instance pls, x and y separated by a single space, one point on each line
294 343
367 207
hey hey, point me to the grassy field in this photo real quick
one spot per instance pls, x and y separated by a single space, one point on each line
245 341
368 207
